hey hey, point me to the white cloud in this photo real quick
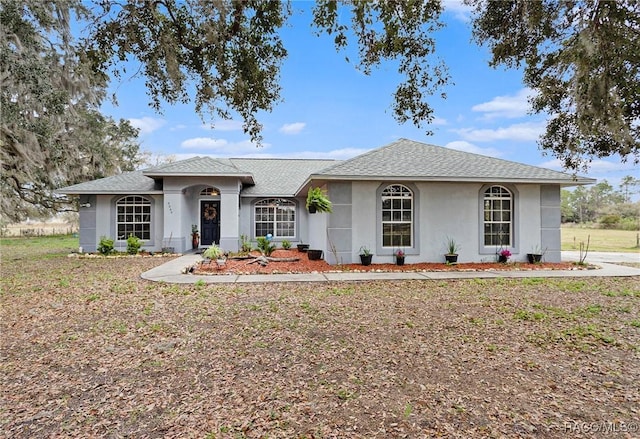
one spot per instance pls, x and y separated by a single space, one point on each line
520 132
506 106
224 125
596 167
147 125
292 128
459 10
439 121
461 145
222 146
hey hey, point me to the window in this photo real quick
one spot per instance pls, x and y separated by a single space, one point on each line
275 216
209 192
498 216
133 217
397 216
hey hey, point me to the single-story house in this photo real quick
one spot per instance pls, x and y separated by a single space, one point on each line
406 195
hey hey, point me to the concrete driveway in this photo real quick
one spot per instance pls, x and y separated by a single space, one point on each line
595 257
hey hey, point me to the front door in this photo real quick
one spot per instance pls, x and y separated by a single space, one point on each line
209 222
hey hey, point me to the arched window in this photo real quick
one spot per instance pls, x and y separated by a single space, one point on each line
498 216
397 216
133 217
275 216
209 192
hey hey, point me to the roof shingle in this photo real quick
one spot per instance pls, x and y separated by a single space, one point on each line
410 160
128 182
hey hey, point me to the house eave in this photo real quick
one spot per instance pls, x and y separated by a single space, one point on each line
110 192
244 177
322 179
269 195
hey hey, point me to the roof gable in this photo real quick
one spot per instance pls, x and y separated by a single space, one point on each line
197 166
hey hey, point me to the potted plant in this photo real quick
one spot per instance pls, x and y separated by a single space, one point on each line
399 257
302 247
317 201
452 251
314 255
504 255
195 236
535 257
365 255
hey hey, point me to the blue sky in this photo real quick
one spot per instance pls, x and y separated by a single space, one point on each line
331 110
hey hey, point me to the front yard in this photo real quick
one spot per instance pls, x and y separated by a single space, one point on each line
89 349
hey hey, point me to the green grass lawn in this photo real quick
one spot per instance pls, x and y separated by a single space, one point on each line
600 239
89 349
51 245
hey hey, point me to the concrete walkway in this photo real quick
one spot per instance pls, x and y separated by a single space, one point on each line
171 272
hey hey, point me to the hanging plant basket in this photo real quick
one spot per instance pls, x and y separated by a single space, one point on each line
317 201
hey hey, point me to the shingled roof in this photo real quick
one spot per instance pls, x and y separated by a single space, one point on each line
278 177
127 183
415 161
403 160
200 167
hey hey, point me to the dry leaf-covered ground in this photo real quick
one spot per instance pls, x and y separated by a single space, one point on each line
90 350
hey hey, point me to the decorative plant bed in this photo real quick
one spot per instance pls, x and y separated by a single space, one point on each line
304 265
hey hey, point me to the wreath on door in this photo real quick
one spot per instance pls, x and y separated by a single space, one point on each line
210 213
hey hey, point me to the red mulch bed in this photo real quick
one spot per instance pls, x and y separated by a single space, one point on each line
304 265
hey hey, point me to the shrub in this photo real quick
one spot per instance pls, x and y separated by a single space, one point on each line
133 244
213 252
610 221
629 224
245 244
286 244
265 246
105 247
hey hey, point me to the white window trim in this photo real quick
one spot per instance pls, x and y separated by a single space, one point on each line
289 203
148 203
514 238
414 249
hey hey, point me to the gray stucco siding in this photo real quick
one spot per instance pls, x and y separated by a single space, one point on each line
550 232
449 210
87 223
340 223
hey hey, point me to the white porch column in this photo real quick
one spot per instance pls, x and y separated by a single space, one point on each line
173 227
229 219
